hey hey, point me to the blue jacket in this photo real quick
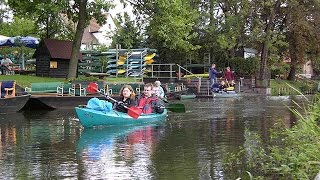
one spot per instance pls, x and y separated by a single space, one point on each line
213 73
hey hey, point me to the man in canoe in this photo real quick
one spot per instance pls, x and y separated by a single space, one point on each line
148 102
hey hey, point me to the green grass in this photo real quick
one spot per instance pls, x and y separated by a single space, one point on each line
26 80
284 89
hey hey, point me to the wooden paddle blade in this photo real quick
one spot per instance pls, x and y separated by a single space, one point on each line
92 87
179 108
134 112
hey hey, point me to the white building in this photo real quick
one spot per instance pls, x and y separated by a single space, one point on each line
95 34
102 35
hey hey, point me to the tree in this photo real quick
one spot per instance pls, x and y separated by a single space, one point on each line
168 25
18 27
4 11
302 32
232 22
55 17
127 33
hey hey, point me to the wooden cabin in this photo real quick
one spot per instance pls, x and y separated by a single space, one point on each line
53 58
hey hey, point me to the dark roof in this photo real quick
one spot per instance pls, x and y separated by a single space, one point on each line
88 37
59 49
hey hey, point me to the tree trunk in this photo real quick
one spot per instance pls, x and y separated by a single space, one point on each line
292 72
264 58
232 52
293 57
265 49
73 66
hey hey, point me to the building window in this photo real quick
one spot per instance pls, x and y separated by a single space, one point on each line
53 64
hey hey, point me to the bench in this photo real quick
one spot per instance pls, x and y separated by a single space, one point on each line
45 87
8 89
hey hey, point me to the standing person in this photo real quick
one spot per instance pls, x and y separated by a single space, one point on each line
228 75
128 99
148 102
5 63
213 75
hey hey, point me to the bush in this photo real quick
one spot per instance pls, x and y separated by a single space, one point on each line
244 67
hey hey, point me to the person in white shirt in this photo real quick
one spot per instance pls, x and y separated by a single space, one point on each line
5 65
160 90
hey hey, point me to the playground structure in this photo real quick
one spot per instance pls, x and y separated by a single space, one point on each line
117 62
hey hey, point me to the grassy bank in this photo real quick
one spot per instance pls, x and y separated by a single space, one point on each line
285 87
26 80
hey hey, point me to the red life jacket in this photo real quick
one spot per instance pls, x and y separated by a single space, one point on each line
145 104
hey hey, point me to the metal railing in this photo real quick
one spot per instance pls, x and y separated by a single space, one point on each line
174 70
169 69
179 71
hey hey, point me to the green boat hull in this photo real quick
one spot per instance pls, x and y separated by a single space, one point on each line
187 96
92 118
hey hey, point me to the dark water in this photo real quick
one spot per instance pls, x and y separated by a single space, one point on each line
191 145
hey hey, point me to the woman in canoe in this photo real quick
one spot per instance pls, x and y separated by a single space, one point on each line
128 99
148 102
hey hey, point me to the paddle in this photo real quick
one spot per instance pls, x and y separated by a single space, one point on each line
133 111
179 108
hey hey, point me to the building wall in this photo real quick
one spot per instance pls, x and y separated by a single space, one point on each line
308 68
42 61
42 65
62 69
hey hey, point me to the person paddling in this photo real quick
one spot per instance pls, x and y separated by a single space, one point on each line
128 99
148 102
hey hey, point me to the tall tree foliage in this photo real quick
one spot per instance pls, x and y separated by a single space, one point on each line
18 27
48 15
127 33
4 9
54 16
302 32
168 25
232 23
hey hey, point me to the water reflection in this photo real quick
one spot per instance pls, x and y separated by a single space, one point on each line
191 145
118 152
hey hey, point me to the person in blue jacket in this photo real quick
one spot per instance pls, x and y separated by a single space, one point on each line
213 75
